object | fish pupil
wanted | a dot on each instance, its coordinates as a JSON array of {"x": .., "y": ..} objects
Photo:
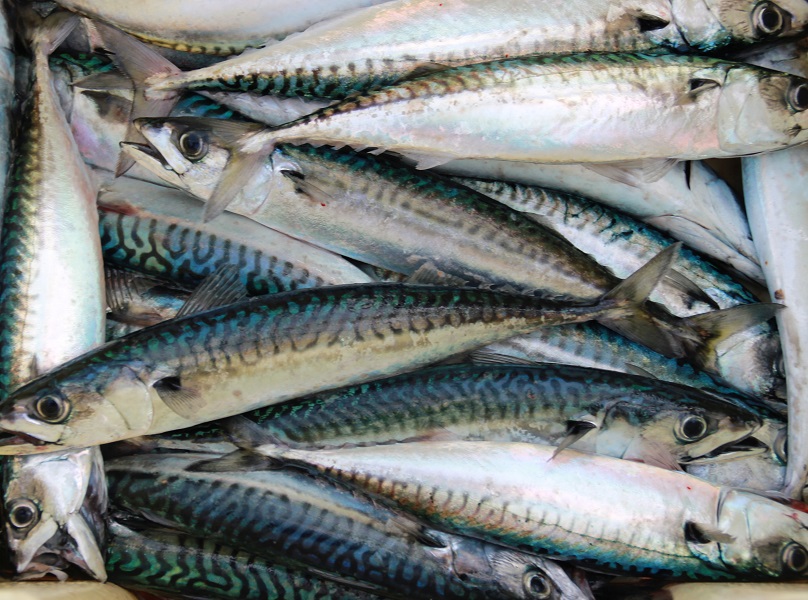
[
  {"x": 49, "y": 407},
  {"x": 23, "y": 514},
  {"x": 770, "y": 19},
  {"x": 694, "y": 427}
]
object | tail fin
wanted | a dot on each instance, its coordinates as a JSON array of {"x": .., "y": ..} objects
[
  {"x": 46, "y": 35},
  {"x": 140, "y": 63},
  {"x": 639, "y": 325},
  {"x": 714, "y": 327}
]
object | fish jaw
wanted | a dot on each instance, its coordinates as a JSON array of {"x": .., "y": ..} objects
[{"x": 151, "y": 160}]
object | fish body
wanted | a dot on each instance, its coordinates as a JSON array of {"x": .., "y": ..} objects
[
  {"x": 389, "y": 42},
  {"x": 279, "y": 514},
  {"x": 6, "y": 100},
  {"x": 631, "y": 417},
  {"x": 269, "y": 349},
  {"x": 778, "y": 223},
  {"x": 162, "y": 561},
  {"x": 212, "y": 27},
  {"x": 520, "y": 495},
  {"x": 578, "y": 108},
  {"x": 154, "y": 230}
]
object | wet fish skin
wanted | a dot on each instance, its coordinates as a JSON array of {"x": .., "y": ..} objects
[
  {"x": 52, "y": 496},
  {"x": 155, "y": 560},
  {"x": 269, "y": 349},
  {"x": 6, "y": 101},
  {"x": 273, "y": 513},
  {"x": 459, "y": 113},
  {"x": 634, "y": 417},
  {"x": 155, "y": 230},
  {"x": 515, "y": 494}
]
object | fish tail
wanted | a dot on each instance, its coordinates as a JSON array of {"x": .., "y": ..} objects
[
  {"x": 145, "y": 67},
  {"x": 248, "y": 437},
  {"x": 45, "y": 35},
  {"x": 627, "y": 315}
]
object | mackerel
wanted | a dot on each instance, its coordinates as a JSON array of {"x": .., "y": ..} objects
[
  {"x": 522, "y": 495},
  {"x": 51, "y": 310},
  {"x": 273, "y": 348},
  {"x": 311, "y": 521},
  {"x": 155, "y": 230},
  {"x": 603, "y": 412},
  {"x": 161, "y": 561},
  {"x": 7, "y": 96}
]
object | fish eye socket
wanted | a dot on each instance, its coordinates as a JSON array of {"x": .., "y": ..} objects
[
  {"x": 781, "y": 445},
  {"x": 193, "y": 145},
  {"x": 537, "y": 585},
  {"x": 795, "y": 558},
  {"x": 768, "y": 19},
  {"x": 798, "y": 96},
  {"x": 691, "y": 428},
  {"x": 52, "y": 408},
  {"x": 22, "y": 513}
]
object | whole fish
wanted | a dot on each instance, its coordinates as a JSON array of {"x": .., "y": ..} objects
[
  {"x": 280, "y": 515},
  {"x": 48, "y": 497},
  {"x": 389, "y": 42},
  {"x": 689, "y": 202},
  {"x": 212, "y": 27},
  {"x": 51, "y": 310},
  {"x": 155, "y": 230},
  {"x": 604, "y": 412},
  {"x": 778, "y": 223},
  {"x": 582, "y": 507},
  {"x": 273, "y": 348},
  {"x": 163, "y": 561},
  {"x": 345, "y": 201},
  {"x": 540, "y": 110}
]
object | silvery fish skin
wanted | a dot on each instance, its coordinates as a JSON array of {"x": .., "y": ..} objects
[
  {"x": 162, "y": 561},
  {"x": 269, "y": 349},
  {"x": 386, "y": 43},
  {"x": 541, "y": 109},
  {"x": 52, "y": 304},
  {"x": 213, "y": 27},
  {"x": 156, "y": 231},
  {"x": 6, "y": 100},
  {"x": 621, "y": 243},
  {"x": 631, "y": 417},
  {"x": 280, "y": 513},
  {"x": 771, "y": 183},
  {"x": 721, "y": 591},
  {"x": 52, "y": 496},
  {"x": 519, "y": 494},
  {"x": 689, "y": 202}
]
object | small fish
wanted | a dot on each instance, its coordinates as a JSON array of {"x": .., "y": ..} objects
[
  {"x": 581, "y": 507},
  {"x": 273, "y": 348},
  {"x": 279, "y": 514}
]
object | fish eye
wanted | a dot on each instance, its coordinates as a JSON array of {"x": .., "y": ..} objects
[
  {"x": 52, "y": 408},
  {"x": 795, "y": 558},
  {"x": 768, "y": 19},
  {"x": 797, "y": 96},
  {"x": 537, "y": 585},
  {"x": 22, "y": 513},
  {"x": 193, "y": 145},
  {"x": 691, "y": 428}
]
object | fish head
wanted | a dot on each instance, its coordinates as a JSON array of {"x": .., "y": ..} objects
[
  {"x": 707, "y": 25},
  {"x": 761, "y": 110},
  {"x": 79, "y": 404},
  {"x": 752, "y": 361},
  {"x": 505, "y": 573},
  {"x": 46, "y": 502},
  {"x": 765, "y": 536},
  {"x": 682, "y": 428}
]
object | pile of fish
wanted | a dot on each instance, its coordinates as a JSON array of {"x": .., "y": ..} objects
[{"x": 404, "y": 299}]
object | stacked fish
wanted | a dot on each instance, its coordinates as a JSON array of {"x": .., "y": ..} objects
[{"x": 404, "y": 299}]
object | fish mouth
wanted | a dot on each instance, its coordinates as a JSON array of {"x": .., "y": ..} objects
[
  {"x": 153, "y": 161},
  {"x": 745, "y": 447},
  {"x": 22, "y": 443}
]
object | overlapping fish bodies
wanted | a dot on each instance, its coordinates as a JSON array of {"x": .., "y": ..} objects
[
  {"x": 52, "y": 305},
  {"x": 55, "y": 504},
  {"x": 603, "y": 412},
  {"x": 212, "y": 27},
  {"x": 156, "y": 231},
  {"x": 202, "y": 568},
  {"x": 280, "y": 514},
  {"x": 273, "y": 348},
  {"x": 517, "y": 495},
  {"x": 390, "y": 42}
]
